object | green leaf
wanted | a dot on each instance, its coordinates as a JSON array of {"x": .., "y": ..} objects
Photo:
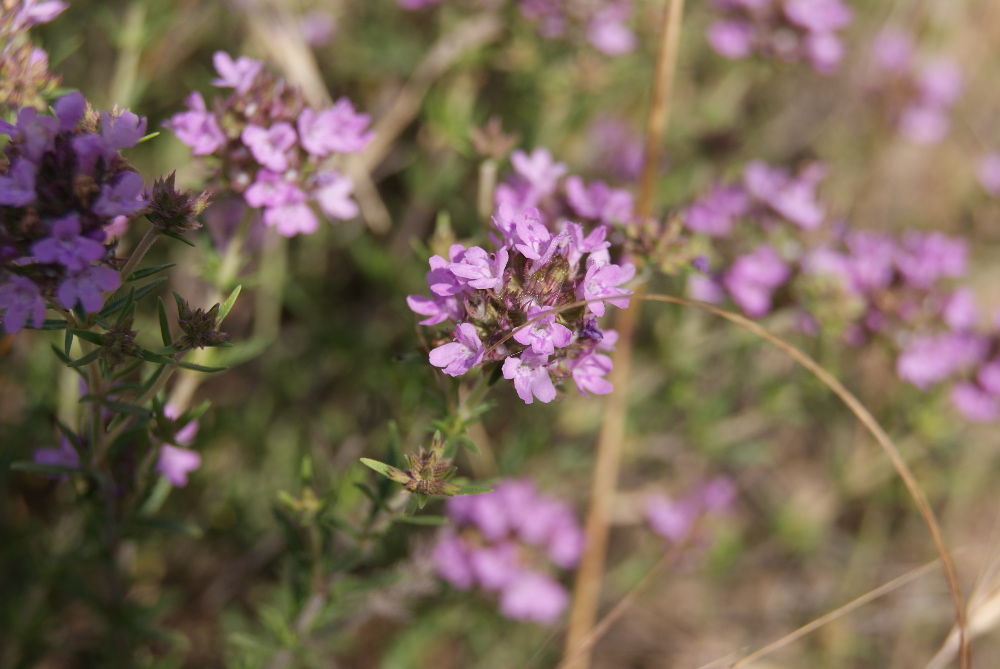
[
  {"x": 53, "y": 324},
  {"x": 86, "y": 335},
  {"x": 422, "y": 520},
  {"x": 123, "y": 407},
  {"x": 67, "y": 344},
  {"x": 87, "y": 359},
  {"x": 150, "y": 356},
  {"x": 44, "y": 470},
  {"x": 174, "y": 235},
  {"x": 164, "y": 323},
  {"x": 115, "y": 305},
  {"x": 199, "y": 368},
  {"x": 473, "y": 490},
  {"x": 152, "y": 379},
  {"x": 370, "y": 494},
  {"x": 148, "y": 271},
  {"x": 128, "y": 308},
  {"x": 228, "y": 304},
  {"x": 385, "y": 470}
]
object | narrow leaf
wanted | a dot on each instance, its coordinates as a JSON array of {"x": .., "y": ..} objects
[
  {"x": 164, "y": 323},
  {"x": 228, "y": 304},
  {"x": 53, "y": 324},
  {"x": 422, "y": 520},
  {"x": 87, "y": 359},
  {"x": 174, "y": 235},
  {"x": 474, "y": 490},
  {"x": 86, "y": 335},
  {"x": 148, "y": 271},
  {"x": 199, "y": 368}
]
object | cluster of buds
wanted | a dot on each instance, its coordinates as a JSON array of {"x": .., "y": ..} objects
[
  {"x": 789, "y": 30},
  {"x": 916, "y": 94},
  {"x": 269, "y": 146},
  {"x": 64, "y": 193},
  {"x": 24, "y": 68},
  {"x": 509, "y": 541},
  {"x": 200, "y": 327},
  {"x": 512, "y": 306}
]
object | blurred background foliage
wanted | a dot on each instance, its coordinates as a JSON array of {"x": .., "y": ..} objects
[{"x": 820, "y": 517}]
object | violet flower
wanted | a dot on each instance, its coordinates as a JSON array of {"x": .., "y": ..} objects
[
  {"x": 460, "y": 356},
  {"x": 176, "y": 463}
]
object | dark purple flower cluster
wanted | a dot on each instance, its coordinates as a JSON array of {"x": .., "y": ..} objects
[
  {"x": 603, "y": 23},
  {"x": 24, "y": 68},
  {"x": 916, "y": 94},
  {"x": 508, "y": 541},
  {"x": 539, "y": 181},
  {"x": 272, "y": 148},
  {"x": 770, "y": 197},
  {"x": 790, "y": 30},
  {"x": 535, "y": 271},
  {"x": 64, "y": 188}
]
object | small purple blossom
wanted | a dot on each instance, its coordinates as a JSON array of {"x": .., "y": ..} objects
[
  {"x": 589, "y": 372},
  {"x": 239, "y": 74},
  {"x": 198, "y": 128},
  {"x": 545, "y": 334},
  {"x": 338, "y": 129},
  {"x": 176, "y": 463},
  {"x": 479, "y": 269},
  {"x": 602, "y": 281},
  {"x": 534, "y": 597},
  {"x": 21, "y": 300},
  {"x": 332, "y": 192},
  {"x": 461, "y": 355},
  {"x": 122, "y": 198},
  {"x": 753, "y": 278},
  {"x": 17, "y": 188},
  {"x": 270, "y": 146},
  {"x": 930, "y": 359},
  {"x": 87, "y": 287},
  {"x": 67, "y": 247},
  {"x": 717, "y": 211},
  {"x": 530, "y": 376}
]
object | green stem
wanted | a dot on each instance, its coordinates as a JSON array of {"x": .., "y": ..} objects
[
  {"x": 270, "y": 285},
  {"x": 140, "y": 251},
  {"x": 230, "y": 266}
]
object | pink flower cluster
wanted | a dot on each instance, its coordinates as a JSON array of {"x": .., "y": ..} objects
[
  {"x": 535, "y": 271},
  {"x": 508, "y": 541},
  {"x": 272, "y": 148},
  {"x": 539, "y": 181},
  {"x": 65, "y": 189},
  {"x": 770, "y": 197},
  {"x": 790, "y": 30},
  {"x": 916, "y": 94},
  {"x": 677, "y": 519}
]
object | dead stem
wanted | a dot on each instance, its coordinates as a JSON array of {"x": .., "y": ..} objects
[
  {"x": 863, "y": 415},
  {"x": 587, "y": 589}
]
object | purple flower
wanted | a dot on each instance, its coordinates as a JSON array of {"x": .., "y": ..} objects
[
  {"x": 607, "y": 30},
  {"x": 930, "y": 359},
  {"x": 534, "y": 597},
  {"x": 333, "y": 193},
  {"x": 186, "y": 435},
  {"x": 239, "y": 74},
  {"x": 818, "y": 16},
  {"x": 974, "y": 403},
  {"x": 601, "y": 281},
  {"x": 33, "y": 12},
  {"x": 672, "y": 519},
  {"x": 939, "y": 83},
  {"x": 64, "y": 456},
  {"x": 122, "y": 198},
  {"x": 70, "y": 109},
  {"x": 794, "y": 198},
  {"x": 544, "y": 335},
  {"x": 753, "y": 278},
  {"x": 598, "y": 201},
  {"x": 122, "y": 131},
  {"x": 589, "y": 372},
  {"x": 88, "y": 287},
  {"x": 20, "y": 299},
  {"x": 270, "y": 189},
  {"x": 176, "y": 463},
  {"x": 924, "y": 258},
  {"x": 924, "y": 124},
  {"x": 33, "y": 132},
  {"x": 893, "y": 50},
  {"x": 17, "y": 189},
  {"x": 705, "y": 289},
  {"x": 67, "y": 247},
  {"x": 715, "y": 213},
  {"x": 989, "y": 377},
  {"x": 437, "y": 309},
  {"x": 463, "y": 354},
  {"x": 731, "y": 38},
  {"x": 198, "y": 127},
  {"x": 338, "y": 129},
  {"x": 531, "y": 377},
  {"x": 988, "y": 172},
  {"x": 540, "y": 172},
  {"x": 478, "y": 269},
  {"x": 451, "y": 559},
  {"x": 270, "y": 146},
  {"x": 292, "y": 218},
  {"x": 959, "y": 311},
  {"x": 495, "y": 566}
]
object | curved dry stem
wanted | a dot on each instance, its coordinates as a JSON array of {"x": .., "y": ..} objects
[{"x": 866, "y": 419}]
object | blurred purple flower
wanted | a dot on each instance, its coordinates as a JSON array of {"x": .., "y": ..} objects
[
  {"x": 17, "y": 188},
  {"x": 930, "y": 359},
  {"x": 270, "y": 146},
  {"x": 715, "y": 212},
  {"x": 197, "y": 127},
  {"x": 988, "y": 172},
  {"x": 176, "y": 463},
  {"x": 753, "y": 278},
  {"x": 534, "y": 597},
  {"x": 239, "y": 74},
  {"x": 21, "y": 299},
  {"x": 87, "y": 287},
  {"x": 124, "y": 197},
  {"x": 974, "y": 403},
  {"x": 67, "y": 247}
]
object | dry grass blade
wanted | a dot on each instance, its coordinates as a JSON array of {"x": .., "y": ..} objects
[
  {"x": 839, "y": 612},
  {"x": 863, "y": 415},
  {"x": 587, "y": 589}
]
